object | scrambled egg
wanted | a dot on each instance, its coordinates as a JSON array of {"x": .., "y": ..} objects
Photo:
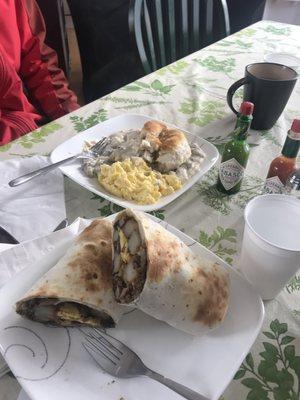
[
  {"x": 133, "y": 179},
  {"x": 70, "y": 313}
]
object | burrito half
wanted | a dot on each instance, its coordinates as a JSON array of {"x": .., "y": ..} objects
[
  {"x": 159, "y": 274},
  {"x": 78, "y": 289}
]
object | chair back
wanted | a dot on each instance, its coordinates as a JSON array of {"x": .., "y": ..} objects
[{"x": 166, "y": 30}]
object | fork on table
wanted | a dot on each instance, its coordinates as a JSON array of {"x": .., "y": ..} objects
[
  {"x": 94, "y": 151},
  {"x": 120, "y": 361}
]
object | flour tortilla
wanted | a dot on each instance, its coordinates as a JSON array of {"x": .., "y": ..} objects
[
  {"x": 78, "y": 289},
  {"x": 180, "y": 288}
]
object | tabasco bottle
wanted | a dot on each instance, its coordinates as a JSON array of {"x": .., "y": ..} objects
[
  {"x": 285, "y": 164},
  {"x": 236, "y": 153}
]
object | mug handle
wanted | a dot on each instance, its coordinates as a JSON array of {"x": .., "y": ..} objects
[{"x": 233, "y": 88}]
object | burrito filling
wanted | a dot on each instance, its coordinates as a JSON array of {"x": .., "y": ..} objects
[
  {"x": 130, "y": 259},
  {"x": 53, "y": 311}
]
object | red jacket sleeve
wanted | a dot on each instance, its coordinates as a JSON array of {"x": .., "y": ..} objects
[
  {"x": 17, "y": 116},
  {"x": 46, "y": 83}
]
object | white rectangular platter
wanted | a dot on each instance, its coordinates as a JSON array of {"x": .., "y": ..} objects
[
  {"x": 50, "y": 363},
  {"x": 124, "y": 122}
]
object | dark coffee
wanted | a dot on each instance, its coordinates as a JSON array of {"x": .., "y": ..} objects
[{"x": 268, "y": 86}]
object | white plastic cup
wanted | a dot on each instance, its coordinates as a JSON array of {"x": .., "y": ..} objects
[{"x": 271, "y": 243}]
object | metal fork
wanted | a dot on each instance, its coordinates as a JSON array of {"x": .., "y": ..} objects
[
  {"x": 94, "y": 151},
  {"x": 120, "y": 361}
]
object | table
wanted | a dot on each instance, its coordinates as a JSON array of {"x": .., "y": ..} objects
[{"x": 191, "y": 93}]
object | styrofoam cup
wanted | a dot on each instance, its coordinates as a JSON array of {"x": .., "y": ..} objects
[{"x": 271, "y": 243}]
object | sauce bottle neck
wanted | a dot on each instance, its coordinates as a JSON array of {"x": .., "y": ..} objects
[
  {"x": 291, "y": 145},
  {"x": 242, "y": 127}
]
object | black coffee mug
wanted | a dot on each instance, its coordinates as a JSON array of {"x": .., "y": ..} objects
[{"x": 268, "y": 86}]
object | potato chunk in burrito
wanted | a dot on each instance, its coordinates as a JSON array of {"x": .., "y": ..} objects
[{"x": 160, "y": 275}]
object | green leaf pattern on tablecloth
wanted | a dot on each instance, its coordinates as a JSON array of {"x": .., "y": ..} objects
[
  {"x": 215, "y": 242},
  {"x": 176, "y": 68},
  {"x": 294, "y": 284},
  {"x": 210, "y": 195},
  {"x": 211, "y": 63},
  {"x": 242, "y": 44},
  {"x": 27, "y": 155},
  {"x": 248, "y": 33},
  {"x": 155, "y": 88},
  {"x": 220, "y": 141},
  {"x": 239, "y": 93},
  {"x": 108, "y": 208},
  {"x": 125, "y": 103},
  {"x": 277, "y": 376},
  {"x": 5, "y": 147},
  {"x": 277, "y": 31},
  {"x": 204, "y": 85},
  {"x": 268, "y": 135},
  {"x": 251, "y": 187},
  {"x": 203, "y": 113},
  {"x": 39, "y": 135},
  {"x": 82, "y": 123}
]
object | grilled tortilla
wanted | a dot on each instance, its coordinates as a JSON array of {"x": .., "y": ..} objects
[
  {"x": 78, "y": 289},
  {"x": 160, "y": 275}
]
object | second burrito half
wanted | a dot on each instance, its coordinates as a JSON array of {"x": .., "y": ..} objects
[{"x": 155, "y": 271}]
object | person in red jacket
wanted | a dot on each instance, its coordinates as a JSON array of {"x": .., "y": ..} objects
[{"x": 32, "y": 87}]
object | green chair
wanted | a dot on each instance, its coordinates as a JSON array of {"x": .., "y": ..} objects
[{"x": 165, "y": 30}]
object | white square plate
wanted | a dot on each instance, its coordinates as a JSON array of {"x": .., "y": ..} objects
[
  {"x": 124, "y": 122},
  {"x": 50, "y": 363}
]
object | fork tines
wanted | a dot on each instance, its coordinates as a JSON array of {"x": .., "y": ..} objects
[
  {"x": 99, "y": 146},
  {"x": 92, "y": 347},
  {"x": 96, "y": 342},
  {"x": 98, "y": 333}
]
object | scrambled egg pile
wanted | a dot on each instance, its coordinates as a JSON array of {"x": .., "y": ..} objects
[{"x": 133, "y": 179}]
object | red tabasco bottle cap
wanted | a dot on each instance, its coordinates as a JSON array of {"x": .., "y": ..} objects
[
  {"x": 246, "y": 108},
  {"x": 296, "y": 126}
]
